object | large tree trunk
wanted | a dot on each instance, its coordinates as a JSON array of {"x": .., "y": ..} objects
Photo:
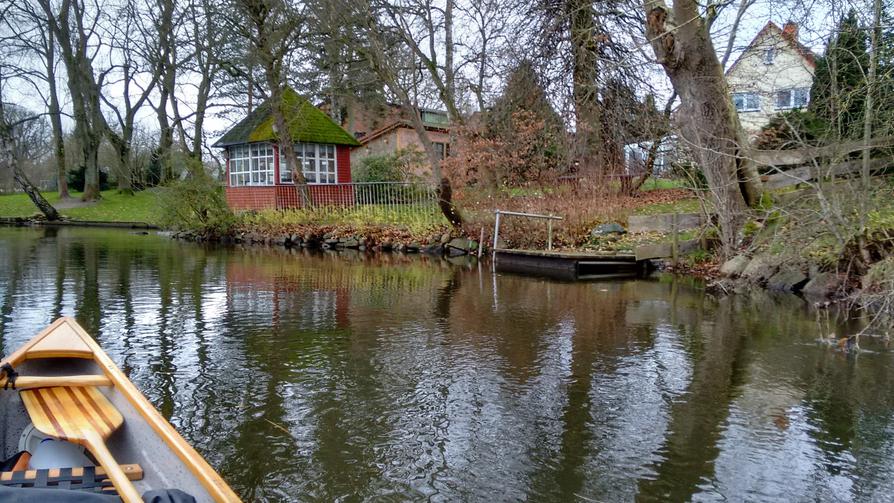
[
  {"x": 709, "y": 124},
  {"x": 89, "y": 121},
  {"x": 287, "y": 144},
  {"x": 56, "y": 119},
  {"x": 588, "y": 142},
  {"x": 166, "y": 71},
  {"x": 125, "y": 165}
]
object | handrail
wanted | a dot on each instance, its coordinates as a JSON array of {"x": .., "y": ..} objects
[{"x": 549, "y": 226}]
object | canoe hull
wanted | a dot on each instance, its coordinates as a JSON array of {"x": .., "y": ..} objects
[{"x": 146, "y": 438}]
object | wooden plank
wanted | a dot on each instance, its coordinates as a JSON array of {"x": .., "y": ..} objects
[
  {"x": 133, "y": 471},
  {"x": 28, "y": 382},
  {"x": 808, "y": 154},
  {"x": 617, "y": 257},
  {"x": 62, "y": 342},
  {"x": 810, "y": 173}
]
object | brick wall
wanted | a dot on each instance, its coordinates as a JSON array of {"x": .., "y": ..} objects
[{"x": 251, "y": 198}]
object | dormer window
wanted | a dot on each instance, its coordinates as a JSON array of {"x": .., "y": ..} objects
[{"x": 769, "y": 55}]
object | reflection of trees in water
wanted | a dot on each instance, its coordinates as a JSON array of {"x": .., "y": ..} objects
[
  {"x": 20, "y": 253},
  {"x": 388, "y": 368},
  {"x": 695, "y": 426}
]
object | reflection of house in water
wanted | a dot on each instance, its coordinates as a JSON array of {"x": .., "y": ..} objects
[{"x": 301, "y": 298}]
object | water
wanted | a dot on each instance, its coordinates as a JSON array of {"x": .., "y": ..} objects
[{"x": 345, "y": 378}]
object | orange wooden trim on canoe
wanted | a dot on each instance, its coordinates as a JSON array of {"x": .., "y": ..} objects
[
  {"x": 209, "y": 478},
  {"x": 133, "y": 471},
  {"x": 57, "y": 340},
  {"x": 28, "y": 382}
]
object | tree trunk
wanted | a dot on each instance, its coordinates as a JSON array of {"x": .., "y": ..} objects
[
  {"x": 287, "y": 144},
  {"x": 125, "y": 164},
  {"x": 875, "y": 39},
  {"x": 8, "y": 155},
  {"x": 56, "y": 119},
  {"x": 89, "y": 121},
  {"x": 709, "y": 124},
  {"x": 585, "y": 93}
]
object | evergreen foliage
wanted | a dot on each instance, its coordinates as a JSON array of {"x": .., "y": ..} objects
[
  {"x": 839, "y": 87},
  {"x": 524, "y": 121}
]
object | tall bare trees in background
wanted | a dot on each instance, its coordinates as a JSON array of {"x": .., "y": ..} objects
[{"x": 181, "y": 60}]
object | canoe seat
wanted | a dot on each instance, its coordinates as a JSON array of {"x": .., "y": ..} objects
[{"x": 87, "y": 478}]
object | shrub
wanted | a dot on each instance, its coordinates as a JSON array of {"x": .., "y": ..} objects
[
  {"x": 197, "y": 204},
  {"x": 394, "y": 167},
  {"x": 77, "y": 177},
  {"x": 791, "y": 130}
]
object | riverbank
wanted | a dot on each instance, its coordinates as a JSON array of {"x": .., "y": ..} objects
[
  {"x": 835, "y": 245},
  {"x": 141, "y": 207}
]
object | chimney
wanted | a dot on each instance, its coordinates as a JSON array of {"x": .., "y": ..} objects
[{"x": 790, "y": 29}]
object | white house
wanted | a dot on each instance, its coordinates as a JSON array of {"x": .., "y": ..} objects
[{"x": 773, "y": 74}]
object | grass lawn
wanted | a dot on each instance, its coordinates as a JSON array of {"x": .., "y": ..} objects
[
  {"x": 662, "y": 183},
  {"x": 679, "y": 206},
  {"x": 113, "y": 207}
]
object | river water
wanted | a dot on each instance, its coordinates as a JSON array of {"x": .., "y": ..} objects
[{"x": 323, "y": 377}]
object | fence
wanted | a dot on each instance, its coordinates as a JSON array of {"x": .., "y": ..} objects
[
  {"x": 385, "y": 202},
  {"x": 361, "y": 202}
]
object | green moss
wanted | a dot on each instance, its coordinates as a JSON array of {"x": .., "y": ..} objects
[{"x": 306, "y": 122}]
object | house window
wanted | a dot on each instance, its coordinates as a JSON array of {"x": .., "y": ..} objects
[
  {"x": 251, "y": 164},
  {"x": 430, "y": 117},
  {"x": 441, "y": 149},
  {"x": 792, "y": 98},
  {"x": 317, "y": 161},
  {"x": 746, "y": 102},
  {"x": 769, "y": 55}
]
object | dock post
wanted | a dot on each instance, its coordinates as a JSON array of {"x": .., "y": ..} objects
[
  {"x": 549, "y": 233},
  {"x": 496, "y": 233},
  {"x": 481, "y": 243}
]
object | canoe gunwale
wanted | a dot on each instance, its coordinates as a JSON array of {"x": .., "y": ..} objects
[{"x": 201, "y": 470}]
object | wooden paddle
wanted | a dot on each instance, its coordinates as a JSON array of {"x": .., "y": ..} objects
[{"x": 83, "y": 415}]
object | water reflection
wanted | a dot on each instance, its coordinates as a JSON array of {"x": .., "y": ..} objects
[{"x": 350, "y": 377}]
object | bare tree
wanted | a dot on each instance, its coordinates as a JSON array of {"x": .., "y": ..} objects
[
  {"x": 682, "y": 43},
  {"x": 73, "y": 24},
  {"x": 394, "y": 37},
  {"x": 27, "y": 26},
  {"x": 126, "y": 73},
  {"x": 10, "y": 155},
  {"x": 273, "y": 31}
]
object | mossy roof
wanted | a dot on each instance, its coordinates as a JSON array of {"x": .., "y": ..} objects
[{"x": 307, "y": 123}]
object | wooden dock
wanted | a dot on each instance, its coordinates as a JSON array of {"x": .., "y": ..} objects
[{"x": 569, "y": 266}]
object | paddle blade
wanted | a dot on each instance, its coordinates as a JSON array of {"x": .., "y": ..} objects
[{"x": 68, "y": 412}]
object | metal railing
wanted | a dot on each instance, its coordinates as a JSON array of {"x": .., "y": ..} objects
[
  {"x": 383, "y": 201},
  {"x": 549, "y": 225}
]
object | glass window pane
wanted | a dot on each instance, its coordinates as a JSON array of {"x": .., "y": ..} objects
[
  {"x": 801, "y": 97},
  {"x": 752, "y": 102},
  {"x": 783, "y": 99}
]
